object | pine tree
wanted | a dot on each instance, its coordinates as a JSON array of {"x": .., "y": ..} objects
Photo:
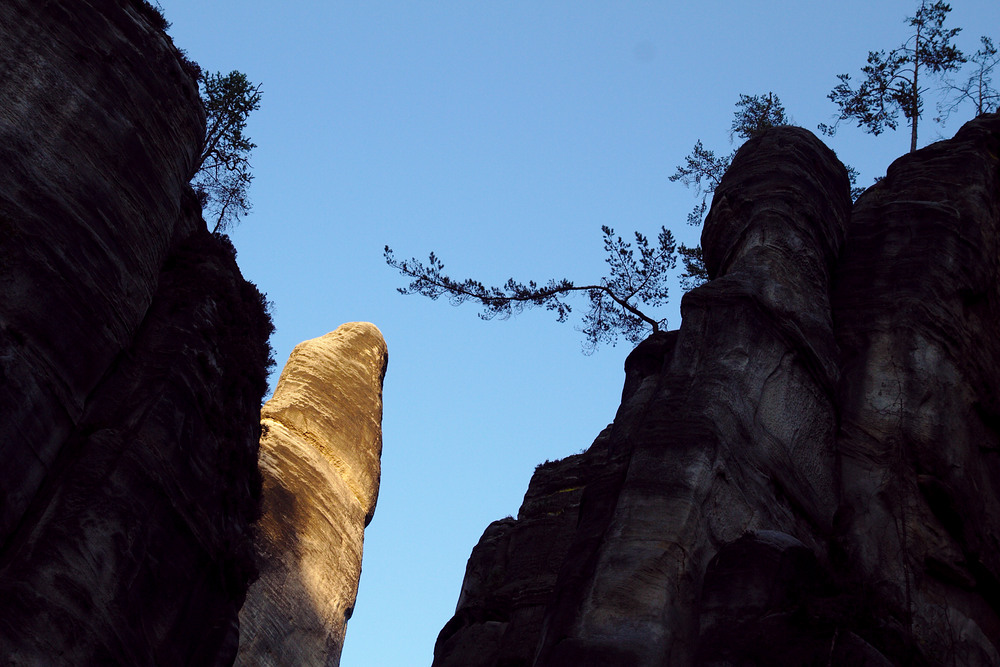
[
  {"x": 703, "y": 170},
  {"x": 893, "y": 80},
  {"x": 223, "y": 172},
  {"x": 977, "y": 88},
  {"x": 619, "y": 302}
]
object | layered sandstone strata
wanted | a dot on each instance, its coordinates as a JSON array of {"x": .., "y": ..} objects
[
  {"x": 319, "y": 458},
  {"x": 133, "y": 354},
  {"x": 808, "y": 470}
]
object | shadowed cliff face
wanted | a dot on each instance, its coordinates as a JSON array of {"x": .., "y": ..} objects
[
  {"x": 320, "y": 460},
  {"x": 919, "y": 440},
  {"x": 133, "y": 354},
  {"x": 92, "y": 187},
  {"x": 806, "y": 471}
]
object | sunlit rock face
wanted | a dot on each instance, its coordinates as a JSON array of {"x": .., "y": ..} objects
[
  {"x": 133, "y": 355},
  {"x": 319, "y": 458},
  {"x": 808, "y": 470}
]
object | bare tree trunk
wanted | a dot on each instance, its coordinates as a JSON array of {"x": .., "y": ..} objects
[{"x": 915, "y": 112}]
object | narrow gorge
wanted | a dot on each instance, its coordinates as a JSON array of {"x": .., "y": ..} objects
[{"x": 806, "y": 472}]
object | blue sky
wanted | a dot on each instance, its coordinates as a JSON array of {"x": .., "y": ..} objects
[{"x": 500, "y": 135}]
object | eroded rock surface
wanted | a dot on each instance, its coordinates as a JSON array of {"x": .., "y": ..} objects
[
  {"x": 319, "y": 459},
  {"x": 806, "y": 472},
  {"x": 919, "y": 441},
  {"x": 133, "y": 355}
]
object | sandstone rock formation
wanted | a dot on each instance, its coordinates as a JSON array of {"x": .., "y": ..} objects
[
  {"x": 807, "y": 471},
  {"x": 319, "y": 459},
  {"x": 133, "y": 355}
]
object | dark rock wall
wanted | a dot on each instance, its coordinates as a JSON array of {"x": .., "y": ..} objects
[
  {"x": 99, "y": 128},
  {"x": 918, "y": 310},
  {"x": 511, "y": 576},
  {"x": 806, "y": 471},
  {"x": 133, "y": 355}
]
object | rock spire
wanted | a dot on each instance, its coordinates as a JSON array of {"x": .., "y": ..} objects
[{"x": 319, "y": 458}]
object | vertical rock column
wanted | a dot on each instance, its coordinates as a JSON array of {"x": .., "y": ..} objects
[
  {"x": 807, "y": 472},
  {"x": 732, "y": 437},
  {"x": 319, "y": 458},
  {"x": 917, "y": 306},
  {"x": 133, "y": 354},
  {"x": 99, "y": 129}
]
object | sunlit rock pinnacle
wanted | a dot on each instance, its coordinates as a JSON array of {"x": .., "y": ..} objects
[{"x": 319, "y": 457}]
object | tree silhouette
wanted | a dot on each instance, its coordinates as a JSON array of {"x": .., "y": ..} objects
[
  {"x": 892, "y": 80},
  {"x": 222, "y": 174},
  {"x": 618, "y": 303},
  {"x": 703, "y": 170},
  {"x": 978, "y": 86}
]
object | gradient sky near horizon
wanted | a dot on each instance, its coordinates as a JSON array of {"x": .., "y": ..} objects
[{"x": 501, "y": 135}]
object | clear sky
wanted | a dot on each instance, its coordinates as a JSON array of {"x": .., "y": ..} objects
[{"x": 500, "y": 135}]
